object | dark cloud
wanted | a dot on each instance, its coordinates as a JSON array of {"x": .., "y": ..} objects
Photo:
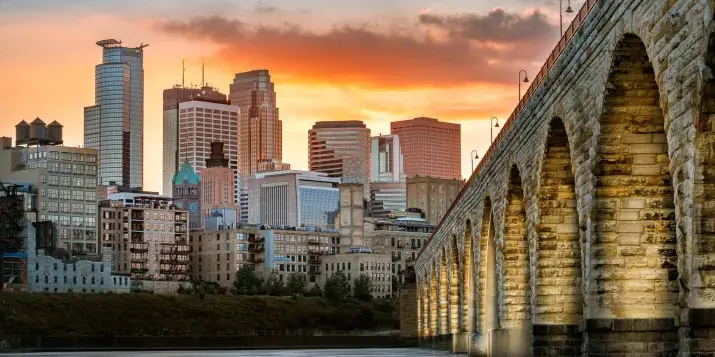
[
  {"x": 263, "y": 8},
  {"x": 497, "y": 26},
  {"x": 361, "y": 55}
]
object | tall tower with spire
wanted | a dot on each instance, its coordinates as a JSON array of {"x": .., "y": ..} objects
[{"x": 187, "y": 194}]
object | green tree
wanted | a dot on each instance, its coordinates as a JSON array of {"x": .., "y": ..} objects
[
  {"x": 337, "y": 287},
  {"x": 296, "y": 283},
  {"x": 315, "y": 291},
  {"x": 362, "y": 288},
  {"x": 247, "y": 282},
  {"x": 274, "y": 284},
  {"x": 395, "y": 285}
]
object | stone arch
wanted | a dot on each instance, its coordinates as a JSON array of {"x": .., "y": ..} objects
[
  {"x": 488, "y": 311},
  {"x": 558, "y": 300},
  {"x": 633, "y": 242},
  {"x": 558, "y": 283},
  {"x": 703, "y": 247},
  {"x": 433, "y": 304},
  {"x": 467, "y": 281},
  {"x": 443, "y": 294},
  {"x": 515, "y": 287},
  {"x": 454, "y": 315}
]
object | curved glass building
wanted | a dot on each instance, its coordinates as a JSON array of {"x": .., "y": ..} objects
[{"x": 114, "y": 125}]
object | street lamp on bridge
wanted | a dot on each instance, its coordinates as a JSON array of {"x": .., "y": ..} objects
[
  {"x": 526, "y": 80},
  {"x": 474, "y": 152},
  {"x": 491, "y": 128},
  {"x": 561, "y": 14}
]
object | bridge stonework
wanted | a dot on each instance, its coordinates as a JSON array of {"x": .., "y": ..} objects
[{"x": 589, "y": 229}]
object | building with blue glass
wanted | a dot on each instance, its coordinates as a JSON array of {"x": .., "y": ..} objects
[
  {"x": 114, "y": 124},
  {"x": 293, "y": 198}
]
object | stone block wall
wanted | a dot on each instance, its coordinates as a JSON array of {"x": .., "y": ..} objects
[
  {"x": 408, "y": 311},
  {"x": 598, "y": 198}
]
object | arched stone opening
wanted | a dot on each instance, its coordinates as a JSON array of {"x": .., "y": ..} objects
[
  {"x": 443, "y": 295},
  {"x": 488, "y": 311},
  {"x": 454, "y": 315},
  {"x": 558, "y": 273},
  {"x": 433, "y": 304},
  {"x": 633, "y": 286},
  {"x": 467, "y": 281},
  {"x": 516, "y": 292},
  {"x": 702, "y": 279}
]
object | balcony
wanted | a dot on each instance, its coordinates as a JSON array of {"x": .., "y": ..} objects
[
  {"x": 314, "y": 272},
  {"x": 401, "y": 245},
  {"x": 313, "y": 261},
  {"x": 139, "y": 247},
  {"x": 140, "y": 259},
  {"x": 253, "y": 239},
  {"x": 313, "y": 241},
  {"x": 139, "y": 270},
  {"x": 396, "y": 258},
  {"x": 410, "y": 260}
]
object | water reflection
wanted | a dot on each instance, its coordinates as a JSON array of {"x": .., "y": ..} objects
[{"x": 367, "y": 352}]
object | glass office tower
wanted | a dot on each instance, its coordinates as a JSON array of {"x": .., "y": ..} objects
[{"x": 119, "y": 114}]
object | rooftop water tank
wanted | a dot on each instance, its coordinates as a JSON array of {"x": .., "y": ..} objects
[
  {"x": 54, "y": 132},
  {"x": 37, "y": 129},
  {"x": 22, "y": 132}
]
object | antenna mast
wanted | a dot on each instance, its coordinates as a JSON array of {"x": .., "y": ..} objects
[
  {"x": 183, "y": 70},
  {"x": 202, "y": 74}
]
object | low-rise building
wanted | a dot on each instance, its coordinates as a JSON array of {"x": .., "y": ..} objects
[
  {"x": 400, "y": 238},
  {"x": 148, "y": 236},
  {"x": 55, "y": 275},
  {"x": 65, "y": 178},
  {"x": 361, "y": 261},
  {"x": 217, "y": 255},
  {"x": 432, "y": 195}
]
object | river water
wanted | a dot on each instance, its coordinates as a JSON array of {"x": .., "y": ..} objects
[{"x": 366, "y": 352}]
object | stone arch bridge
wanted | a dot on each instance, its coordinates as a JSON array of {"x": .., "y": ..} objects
[{"x": 589, "y": 227}]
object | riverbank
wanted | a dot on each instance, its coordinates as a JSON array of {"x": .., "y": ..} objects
[
  {"x": 140, "y": 315},
  {"x": 134, "y": 343}
]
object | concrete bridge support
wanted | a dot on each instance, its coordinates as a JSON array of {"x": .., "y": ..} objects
[{"x": 589, "y": 227}]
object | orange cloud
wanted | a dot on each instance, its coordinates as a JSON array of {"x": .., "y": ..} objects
[{"x": 441, "y": 51}]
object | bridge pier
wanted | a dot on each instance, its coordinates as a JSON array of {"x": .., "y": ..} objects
[
  {"x": 460, "y": 342},
  {"x": 626, "y": 337},
  {"x": 557, "y": 340},
  {"x": 702, "y": 332}
]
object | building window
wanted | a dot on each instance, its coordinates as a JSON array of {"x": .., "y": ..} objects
[
  {"x": 55, "y": 279},
  {"x": 65, "y": 279}
]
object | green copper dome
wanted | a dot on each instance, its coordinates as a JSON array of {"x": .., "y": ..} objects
[{"x": 186, "y": 172}]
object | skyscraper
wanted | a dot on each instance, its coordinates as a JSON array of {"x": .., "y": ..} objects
[
  {"x": 114, "y": 125},
  {"x": 202, "y": 122},
  {"x": 260, "y": 127},
  {"x": 387, "y": 179},
  {"x": 172, "y": 98},
  {"x": 341, "y": 149},
  {"x": 430, "y": 147},
  {"x": 218, "y": 182}
]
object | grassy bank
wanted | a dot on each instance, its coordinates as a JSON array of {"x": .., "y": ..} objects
[{"x": 182, "y": 315}]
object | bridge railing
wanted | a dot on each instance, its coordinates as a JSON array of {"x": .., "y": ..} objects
[{"x": 570, "y": 32}]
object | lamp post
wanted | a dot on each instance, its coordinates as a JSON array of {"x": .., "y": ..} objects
[
  {"x": 472, "y": 158},
  {"x": 526, "y": 80},
  {"x": 561, "y": 14},
  {"x": 491, "y": 128}
]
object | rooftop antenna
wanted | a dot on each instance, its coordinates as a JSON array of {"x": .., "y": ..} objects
[
  {"x": 183, "y": 70},
  {"x": 202, "y": 74}
]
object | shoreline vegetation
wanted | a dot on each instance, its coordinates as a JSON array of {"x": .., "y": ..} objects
[{"x": 39, "y": 314}]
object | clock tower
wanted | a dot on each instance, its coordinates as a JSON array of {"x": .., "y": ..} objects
[{"x": 187, "y": 194}]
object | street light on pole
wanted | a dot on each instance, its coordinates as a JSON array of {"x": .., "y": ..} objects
[
  {"x": 474, "y": 152},
  {"x": 561, "y": 14},
  {"x": 526, "y": 80},
  {"x": 491, "y": 128}
]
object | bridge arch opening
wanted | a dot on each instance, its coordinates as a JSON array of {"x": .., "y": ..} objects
[
  {"x": 633, "y": 243},
  {"x": 467, "y": 281},
  {"x": 488, "y": 305},
  {"x": 558, "y": 276},
  {"x": 443, "y": 295},
  {"x": 454, "y": 315},
  {"x": 433, "y": 304},
  {"x": 516, "y": 291},
  {"x": 704, "y": 191}
]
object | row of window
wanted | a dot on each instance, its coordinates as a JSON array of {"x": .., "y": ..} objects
[{"x": 67, "y": 181}]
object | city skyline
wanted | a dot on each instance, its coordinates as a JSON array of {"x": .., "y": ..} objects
[{"x": 374, "y": 95}]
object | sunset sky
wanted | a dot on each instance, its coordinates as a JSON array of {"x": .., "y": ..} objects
[{"x": 371, "y": 60}]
